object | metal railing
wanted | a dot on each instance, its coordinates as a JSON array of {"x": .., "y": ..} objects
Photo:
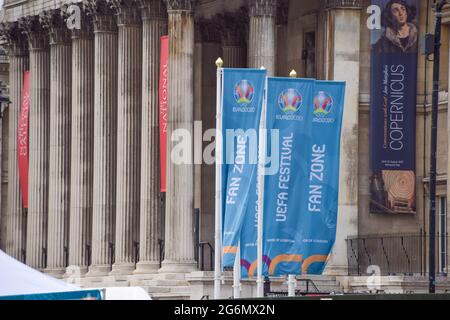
[
  {"x": 44, "y": 256},
  {"x": 135, "y": 252},
  {"x": 201, "y": 261},
  {"x": 66, "y": 256},
  {"x": 204, "y": 251},
  {"x": 399, "y": 254},
  {"x": 161, "y": 251},
  {"x": 111, "y": 252},
  {"x": 88, "y": 255},
  {"x": 304, "y": 287}
]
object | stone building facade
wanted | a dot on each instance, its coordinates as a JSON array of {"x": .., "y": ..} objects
[{"x": 94, "y": 199}]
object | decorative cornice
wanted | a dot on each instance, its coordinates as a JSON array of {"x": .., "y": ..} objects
[
  {"x": 101, "y": 14},
  {"x": 184, "y": 5},
  {"x": 36, "y": 35},
  {"x": 16, "y": 42},
  {"x": 152, "y": 9},
  {"x": 54, "y": 21},
  {"x": 337, "y": 4},
  {"x": 127, "y": 12},
  {"x": 259, "y": 8}
]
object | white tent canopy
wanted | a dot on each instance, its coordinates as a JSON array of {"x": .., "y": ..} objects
[{"x": 17, "y": 278}]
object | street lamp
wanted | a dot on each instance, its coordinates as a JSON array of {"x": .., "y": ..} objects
[{"x": 438, "y": 6}]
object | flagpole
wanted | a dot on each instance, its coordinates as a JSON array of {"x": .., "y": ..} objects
[
  {"x": 218, "y": 200},
  {"x": 237, "y": 274},
  {"x": 292, "y": 281},
  {"x": 260, "y": 171}
]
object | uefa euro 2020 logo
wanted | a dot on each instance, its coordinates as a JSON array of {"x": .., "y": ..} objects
[
  {"x": 290, "y": 101},
  {"x": 244, "y": 92},
  {"x": 323, "y": 104}
]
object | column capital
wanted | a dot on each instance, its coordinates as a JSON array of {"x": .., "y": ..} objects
[
  {"x": 126, "y": 11},
  {"x": 101, "y": 14},
  {"x": 36, "y": 35},
  {"x": 12, "y": 34},
  {"x": 340, "y": 4},
  {"x": 208, "y": 30},
  {"x": 258, "y": 8},
  {"x": 86, "y": 30},
  {"x": 184, "y": 5},
  {"x": 54, "y": 21},
  {"x": 152, "y": 9},
  {"x": 234, "y": 27}
]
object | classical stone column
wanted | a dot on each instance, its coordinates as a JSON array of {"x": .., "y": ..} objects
[
  {"x": 128, "y": 134},
  {"x": 282, "y": 39},
  {"x": 261, "y": 50},
  {"x": 39, "y": 125},
  {"x": 234, "y": 30},
  {"x": 105, "y": 130},
  {"x": 179, "y": 242},
  {"x": 15, "y": 215},
  {"x": 154, "y": 25},
  {"x": 82, "y": 144},
  {"x": 344, "y": 23},
  {"x": 60, "y": 129}
]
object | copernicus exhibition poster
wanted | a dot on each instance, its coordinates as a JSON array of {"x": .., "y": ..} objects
[{"x": 394, "y": 49}]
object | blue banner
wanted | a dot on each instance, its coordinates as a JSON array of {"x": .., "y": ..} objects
[
  {"x": 241, "y": 112},
  {"x": 301, "y": 201},
  {"x": 249, "y": 234}
]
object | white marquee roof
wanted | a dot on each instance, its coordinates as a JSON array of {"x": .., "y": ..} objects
[{"x": 17, "y": 278}]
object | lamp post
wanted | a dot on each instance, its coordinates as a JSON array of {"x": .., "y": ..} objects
[{"x": 434, "y": 121}]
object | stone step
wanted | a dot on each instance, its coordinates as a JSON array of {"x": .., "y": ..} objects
[
  {"x": 146, "y": 276},
  {"x": 120, "y": 278},
  {"x": 182, "y": 289},
  {"x": 85, "y": 283},
  {"x": 171, "y": 296},
  {"x": 169, "y": 276},
  {"x": 161, "y": 290},
  {"x": 98, "y": 279},
  {"x": 143, "y": 283},
  {"x": 158, "y": 282},
  {"x": 316, "y": 278},
  {"x": 154, "y": 290},
  {"x": 105, "y": 285},
  {"x": 170, "y": 283}
]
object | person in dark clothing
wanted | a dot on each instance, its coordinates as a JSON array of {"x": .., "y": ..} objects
[{"x": 400, "y": 34}]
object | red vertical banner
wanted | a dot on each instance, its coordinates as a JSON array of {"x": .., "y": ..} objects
[
  {"x": 163, "y": 107},
  {"x": 22, "y": 138}
]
